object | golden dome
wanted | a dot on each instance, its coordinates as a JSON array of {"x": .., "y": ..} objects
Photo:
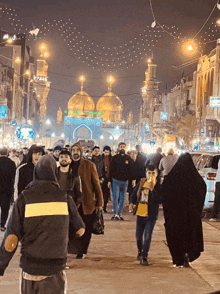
[
  {"x": 81, "y": 101},
  {"x": 109, "y": 102},
  {"x": 111, "y": 106}
]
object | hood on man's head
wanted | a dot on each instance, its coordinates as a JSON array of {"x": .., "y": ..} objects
[
  {"x": 34, "y": 149},
  {"x": 58, "y": 147},
  {"x": 45, "y": 169},
  {"x": 80, "y": 147}
]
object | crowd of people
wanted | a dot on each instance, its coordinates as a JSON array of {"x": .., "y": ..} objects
[{"x": 56, "y": 192}]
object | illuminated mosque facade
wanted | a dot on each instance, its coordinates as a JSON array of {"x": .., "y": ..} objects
[{"x": 102, "y": 122}]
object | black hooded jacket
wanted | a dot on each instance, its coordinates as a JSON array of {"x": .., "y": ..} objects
[
  {"x": 26, "y": 170},
  {"x": 40, "y": 220}
]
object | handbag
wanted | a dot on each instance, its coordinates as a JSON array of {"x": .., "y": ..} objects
[{"x": 98, "y": 223}]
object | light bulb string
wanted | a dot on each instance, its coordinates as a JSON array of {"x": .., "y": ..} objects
[{"x": 206, "y": 21}]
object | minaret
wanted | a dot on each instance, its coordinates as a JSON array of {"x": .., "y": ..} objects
[
  {"x": 59, "y": 116},
  {"x": 149, "y": 92},
  {"x": 41, "y": 83}
]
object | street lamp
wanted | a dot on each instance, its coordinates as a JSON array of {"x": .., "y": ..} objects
[
  {"x": 62, "y": 135},
  {"x": 48, "y": 122},
  {"x": 53, "y": 135}
]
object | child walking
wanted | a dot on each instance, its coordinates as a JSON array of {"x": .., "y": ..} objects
[{"x": 145, "y": 203}]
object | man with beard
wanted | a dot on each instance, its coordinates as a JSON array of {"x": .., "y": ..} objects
[
  {"x": 24, "y": 173},
  {"x": 91, "y": 196},
  {"x": 120, "y": 172},
  {"x": 69, "y": 181}
]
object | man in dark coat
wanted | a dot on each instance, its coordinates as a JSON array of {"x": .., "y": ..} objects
[
  {"x": 138, "y": 171},
  {"x": 69, "y": 181},
  {"x": 24, "y": 174},
  {"x": 183, "y": 194},
  {"x": 97, "y": 159},
  {"x": 155, "y": 158},
  {"x": 107, "y": 158},
  {"x": 56, "y": 152},
  {"x": 40, "y": 221},
  {"x": 7, "y": 175},
  {"x": 92, "y": 198},
  {"x": 120, "y": 173}
]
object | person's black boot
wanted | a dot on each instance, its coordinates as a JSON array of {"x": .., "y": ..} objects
[
  {"x": 186, "y": 260},
  {"x": 139, "y": 256},
  {"x": 143, "y": 260}
]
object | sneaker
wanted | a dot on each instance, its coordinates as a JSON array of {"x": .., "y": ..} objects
[
  {"x": 104, "y": 210},
  {"x": 144, "y": 261},
  {"x": 213, "y": 219},
  {"x": 120, "y": 218},
  {"x": 177, "y": 266},
  {"x": 80, "y": 256},
  {"x": 139, "y": 256},
  {"x": 115, "y": 217},
  {"x": 3, "y": 229}
]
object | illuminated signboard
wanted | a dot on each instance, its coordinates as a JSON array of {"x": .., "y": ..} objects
[
  {"x": 3, "y": 111},
  {"x": 215, "y": 102},
  {"x": 84, "y": 112},
  {"x": 164, "y": 115},
  {"x": 25, "y": 133}
]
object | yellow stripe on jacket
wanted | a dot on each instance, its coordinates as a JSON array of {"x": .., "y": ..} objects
[{"x": 46, "y": 208}]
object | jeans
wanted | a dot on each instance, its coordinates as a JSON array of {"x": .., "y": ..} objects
[
  {"x": 119, "y": 192},
  {"x": 55, "y": 284},
  {"x": 144, "y": 230},
  {"x": 216, "y": 207}
]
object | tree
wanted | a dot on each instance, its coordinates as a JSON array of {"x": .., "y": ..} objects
[{"x": 186, "y": 128}]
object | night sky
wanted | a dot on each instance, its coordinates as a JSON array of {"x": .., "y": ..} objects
[{"x": 98, "y": 38}]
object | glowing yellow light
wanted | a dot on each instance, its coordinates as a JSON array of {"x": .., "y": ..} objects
[
  {"x": 149, "y": 60},
  {"x": 17, "y": 60},
  {"x": 43, "y": 46},
  {"x": 190, "y": 47},
  {"x": 82, "y": 78},
  {"x": 27, "y": 72},
  {"x": 9, "y": 40},
  {"x": 111, "y": 79},
  {"x": 218, "y": 22}
]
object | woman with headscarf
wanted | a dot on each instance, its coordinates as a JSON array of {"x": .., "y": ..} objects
[{"x": 183, "y": 194}]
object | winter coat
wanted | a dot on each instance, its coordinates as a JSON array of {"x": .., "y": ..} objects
[
  {"x": 40, "y": 221},
  {"x": 24, "y": 173},
  {"x": 7, "y": 175},
  {"x": 100, "y": 165},
  {"x": 91, "y": 189}
]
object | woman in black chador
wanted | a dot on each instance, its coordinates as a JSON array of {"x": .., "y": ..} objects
[{"x": 183, "y": 194}]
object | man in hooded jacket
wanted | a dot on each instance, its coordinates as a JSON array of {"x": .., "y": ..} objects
[
  {"x": 40, "y": 221},
  {"x": 92, "y": 198},
  {"x": 24, "y": 173}
]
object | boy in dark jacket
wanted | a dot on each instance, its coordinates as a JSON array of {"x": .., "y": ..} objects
[
  {"x": 145, "y": 200},
  {"x": 40, "y": 221}
]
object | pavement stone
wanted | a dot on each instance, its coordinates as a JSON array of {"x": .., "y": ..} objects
[{"x": 111, "y": 267}]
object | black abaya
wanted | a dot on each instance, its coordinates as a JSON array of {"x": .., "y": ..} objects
[{"x": 183, "y": 194}]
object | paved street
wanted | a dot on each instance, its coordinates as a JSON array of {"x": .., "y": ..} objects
[{"x": 111, "y": 266}]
